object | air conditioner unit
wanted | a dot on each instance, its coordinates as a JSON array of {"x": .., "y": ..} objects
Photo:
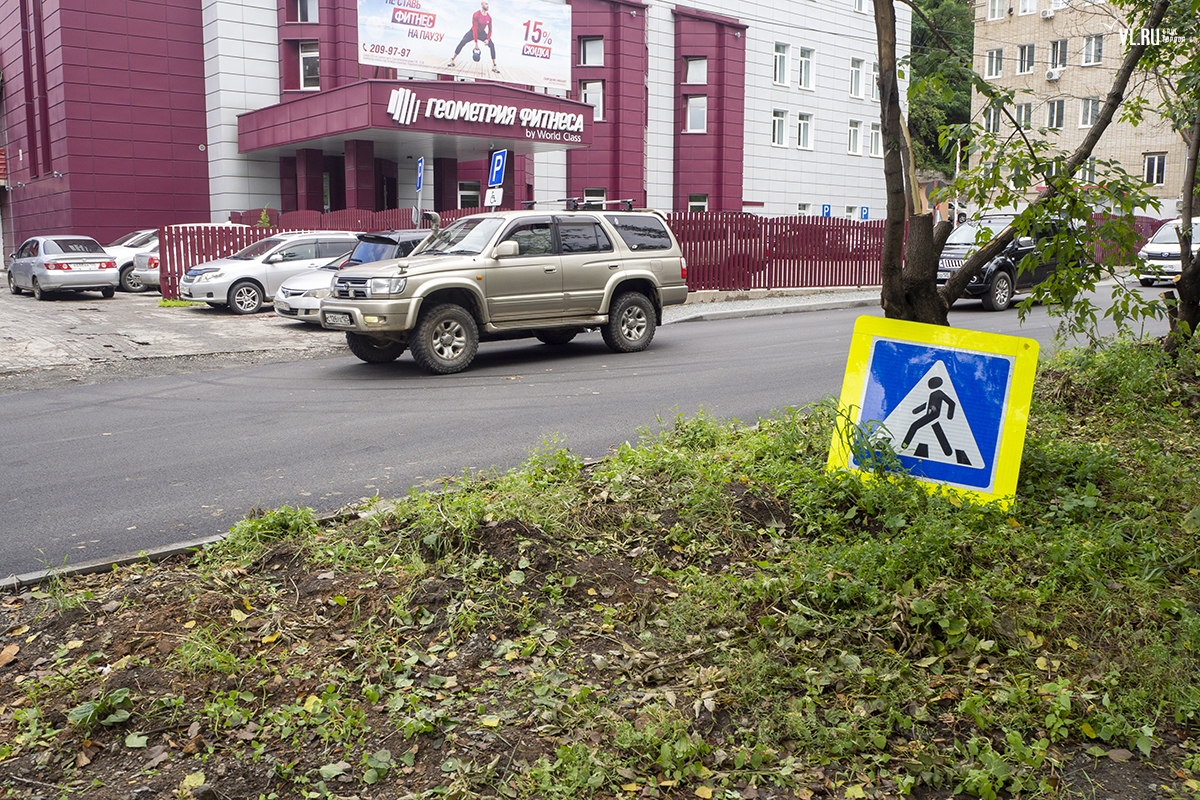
[
  {"x": 1047, "y": 13},
  {"x": 1053, "y": 74}
]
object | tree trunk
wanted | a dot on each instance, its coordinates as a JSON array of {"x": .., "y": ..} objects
[{"x": 1189, "y": 277}]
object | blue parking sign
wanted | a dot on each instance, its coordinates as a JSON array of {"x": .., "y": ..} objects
[
  {"x": 863, "y": 212},
  {"x": 826, "y": 210},
  {"x": 496, "y": 173},
  {"x": 420, "y": 173}
]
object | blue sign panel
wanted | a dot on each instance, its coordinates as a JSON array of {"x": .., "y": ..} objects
[
  {"x": 496, "y": 173},
  {"x": 863, "y": 212},
  {"x": 826, "y": 210},
  {"x": 420, "y": 173}
]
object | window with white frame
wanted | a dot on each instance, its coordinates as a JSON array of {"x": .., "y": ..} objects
[
  {"x": 468, "y": 194},
  {"x": 806, "y": 68},
  {"x": 1024, "y": 114},
  {"x": 1087, "y": 172},
  {"x": 995, "y": 63},
  {"x": 778, "y": 125},
  {"x": 996, "y": 9},
  {"x": 310, "y": 66},
  {"x": 804, "y": 132},
  {"x": 991, "y": 120},
  {"x": 697, "y": 202},
  {"x": 1155, "y": 168},
  {"x": 1055, "y": 111},
  {"x": 1089, "y": 111},
  {"x": 1025, "y": 59},
  {"x": 1093, "y": 50},
  {"x": 695, "y": 70},
  {"x": 802, "y": 209},
  {"x": 592, "y": 93},
  {"x": 876, "y": 146},
  {"x": 874, "y": 80},
  {"x": 854, "y": 137},
  {"x": 859, "y": 5},
  {"x": 306, "y": 11},
  {"x": 591, "y": 51},
  {"x": 696, "y": 116},
  {"x": 856, "y": 69},
  {"x": 1058, "y": 53},
  {"x": 594, "y": 198},
  {"x": 1027, "y": 7},
  {"x": 779, "y": 72},
  {"x": 851, "y": 212}
]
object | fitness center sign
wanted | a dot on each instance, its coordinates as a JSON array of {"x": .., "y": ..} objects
[{"x": 409, "y": 109}]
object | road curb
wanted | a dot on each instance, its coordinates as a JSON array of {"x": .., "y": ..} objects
[
  {"x": 829, "y": 305},
  {"x": 17, "y": 582}
]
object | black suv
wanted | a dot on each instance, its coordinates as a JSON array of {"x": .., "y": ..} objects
[{"x": 998, "y": 281}]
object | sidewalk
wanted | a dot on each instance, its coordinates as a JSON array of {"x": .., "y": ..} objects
[{"x": 86, "y": 330}]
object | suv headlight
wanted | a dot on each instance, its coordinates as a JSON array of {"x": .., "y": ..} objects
[{"x": 386, "y": 287}]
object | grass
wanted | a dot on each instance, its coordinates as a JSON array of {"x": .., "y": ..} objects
[
  {"x": 706, "y": 611},
  {"x": 166, "y": 302}
]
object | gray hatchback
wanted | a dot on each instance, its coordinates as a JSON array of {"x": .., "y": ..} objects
[{"x": 45, "y": 264}]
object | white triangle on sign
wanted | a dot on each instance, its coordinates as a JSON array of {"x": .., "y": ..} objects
[{"x": 931, "y": 424}]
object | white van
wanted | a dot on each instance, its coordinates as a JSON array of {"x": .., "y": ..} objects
[{"x": 1161, "y": 254}]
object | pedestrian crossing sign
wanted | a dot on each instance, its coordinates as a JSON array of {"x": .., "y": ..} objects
[{"x": 952, "y": 405}]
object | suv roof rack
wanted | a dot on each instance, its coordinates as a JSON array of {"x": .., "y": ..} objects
[{"x": 580, "y": 203}]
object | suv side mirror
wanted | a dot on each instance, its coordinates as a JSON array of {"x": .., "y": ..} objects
[{"x": 507, "y": 249}]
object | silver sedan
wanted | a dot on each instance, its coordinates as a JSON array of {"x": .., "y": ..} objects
[{"x": 45, "y": 264}]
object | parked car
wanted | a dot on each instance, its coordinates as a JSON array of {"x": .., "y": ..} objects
[
  {"x": 145, "y": 268},
  {"x": 248, "y": 278},
  {"x": 45, "y": 264},
  {"x": 999, "y": 280},
  {"x": 512, "y": 275},
  {"x": 1162, "y": 255},
  {"x": 125, "y": 249},
  {"x": 300, "y": 296}
]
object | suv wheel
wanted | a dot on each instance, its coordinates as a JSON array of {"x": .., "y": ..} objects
[
  {"x": 130, "y": 282},
  {"x": 373, "y": 351},
  {"x": 12, "y": 284},
  {"x": 1000, "y": 292},
  {"x": 630, "y": 326},
  {"x": 445, "y": 340},
  {"x": 556, "y": 337},
  {"x": 245, "y": 298}
]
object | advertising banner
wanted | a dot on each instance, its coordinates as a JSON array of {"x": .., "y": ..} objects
[{"x": 526, "y": 42}]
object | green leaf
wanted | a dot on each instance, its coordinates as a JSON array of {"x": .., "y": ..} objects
[
  {"x": 135, "y": 740},
  {"x": 516, "y": 577},
  {"x": 330, "y": 771}
]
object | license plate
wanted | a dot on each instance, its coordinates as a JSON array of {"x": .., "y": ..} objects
[
  {"x": 337, "y": 319},
  {"x": 85, "y": 266}
]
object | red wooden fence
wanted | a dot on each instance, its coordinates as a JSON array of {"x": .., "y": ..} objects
[{"x": 727, "y": 251}]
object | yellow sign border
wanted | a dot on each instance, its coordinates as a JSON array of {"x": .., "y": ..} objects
[{"x": 1024, "y": 353}]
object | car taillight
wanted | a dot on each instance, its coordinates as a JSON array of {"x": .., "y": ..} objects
[
  {"x": 108, "y": 265},
  {"x": 683, "y": 268},
  {"x": 152, "y": 263},
  {"x": 57, "y": 265}
]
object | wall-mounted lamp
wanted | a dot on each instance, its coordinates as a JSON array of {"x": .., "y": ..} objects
[
  {"x": 58, "y": 174},
  {"x": 737, "y": 34},
  {"x": 19, "y": 185}
]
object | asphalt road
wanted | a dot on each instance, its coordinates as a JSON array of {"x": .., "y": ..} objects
[{"x": 96, "y": 471}]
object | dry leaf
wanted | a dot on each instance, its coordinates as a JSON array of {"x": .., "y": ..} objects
[
  {"x": 8, "y": 653},
  {"x": 704, "y": 792}
]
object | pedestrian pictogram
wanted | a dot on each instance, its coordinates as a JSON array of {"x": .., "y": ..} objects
[{"x": 950, "y": 404}]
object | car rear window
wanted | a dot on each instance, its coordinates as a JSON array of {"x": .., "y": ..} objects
[
  {"x": 56, "y": 246},
  {"x": 641, "y": 232}
]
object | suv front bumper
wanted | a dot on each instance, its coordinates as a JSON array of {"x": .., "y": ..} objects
[{"x": 369, "y": 316}]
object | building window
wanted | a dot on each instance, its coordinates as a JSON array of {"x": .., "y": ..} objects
[
  {"x": 697, "y": 202},
  {"x": 1058, "y": 53},
  {"x": 697, "y": 114},
  {"x": 591, "y": 51},
  {"x": 468, "y": 194},
  {"x": 802, "y": 209},
  {"x": 1156, "y": 168},
  {"x": 851, "y": 212},
  {"x": 306, "y": 11},
  {"x": 780, "y": 70},
  {"x": 695, "y": 70},
  {"x": 1024, "y": 115},
  {"x": 1089, "y": 111},
  {"x": 1087, "y": 172},
  {"x": 1028, "y": 7},
  {"x": 874, "y": 80},
  {"x": 592, "y": 93},
  {"x": 853, "y": 139},
  {"x": 996, "y": 8},
  {"x": 991, "y": 120},
  {"x": 310, "y": 66},
  {"x": 1025, "y": 59},
  {"x": 595, "y": 198},
  {"x": 1058, "y": 4},
  {"x": 995, "y": 63},
  {"x": 876, "y": 140},
  {"x": 778, "y": 123},
  {"x": 1093, "y": 50},
  {"x": 859, "y": 6},
  {"x": 804, "y": 132},
  {"x": 806, "y": 68},
  {"x": 856, "y": 68},
  {"x": 1055, "y": 111}
]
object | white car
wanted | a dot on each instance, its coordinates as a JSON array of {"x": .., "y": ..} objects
[
  {"x": 299, "y": 297},
  {"x": 125, "y": 250},
  {"x": 145, "y": 268},
  {"x": 1161, "y": 252},
  {"x": 246, "y": 279}
]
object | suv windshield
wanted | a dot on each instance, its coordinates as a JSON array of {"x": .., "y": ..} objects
[
  {"x": 966, "y": 233},
  {"x": 1169, "y": 233},
  {"x": 258, "y": 249},
  {"x": 466, "y": 237}
]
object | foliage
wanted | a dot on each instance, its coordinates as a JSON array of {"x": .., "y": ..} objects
[{"x": 938, "y": 96}]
